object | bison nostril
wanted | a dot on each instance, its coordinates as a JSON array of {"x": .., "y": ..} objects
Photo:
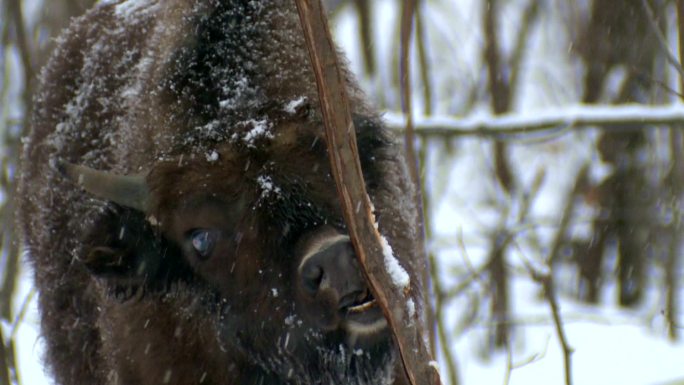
[
  {"x": 312, "y": 276},
  {"x": 331, "y": 267}
]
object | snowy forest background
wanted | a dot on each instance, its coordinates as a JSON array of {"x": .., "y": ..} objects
[{"x": 551, "y": 143}]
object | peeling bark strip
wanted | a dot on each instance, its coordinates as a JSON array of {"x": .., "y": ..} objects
[{"x": 346, "y": 169}]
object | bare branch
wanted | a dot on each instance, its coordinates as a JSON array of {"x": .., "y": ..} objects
[
  {"x": 662, "y": 41},
  {"x": 346, "y": 169},
  {"x": 4, "y": 362},
  {"x": 566, "y": 216},
  {"x": 424, "y": 63},
  {"x": 407, "y": 15},
  {"x": 676, "y": 187},
  {"x": 436, "y": 314},
  {"x": 364, "y": 12},
  {"x": 22, "y": 314},
  {"x": 22, "y": 42},
  {"x": 499, "y": 88},
  {"x": 545, "y": 279},
  {"x": 680, "y": 34},
  {"x": 528, "y": 18},
  {"x": 629, "y": 117},
  {"x": 550, "y": 294}
]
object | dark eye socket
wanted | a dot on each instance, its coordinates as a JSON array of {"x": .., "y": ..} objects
[{"x": 203, "y": 242}]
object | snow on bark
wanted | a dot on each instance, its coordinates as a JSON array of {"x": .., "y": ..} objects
[
  {"x": 411, "y": 306},
  {"x": 400, "y": 277}
]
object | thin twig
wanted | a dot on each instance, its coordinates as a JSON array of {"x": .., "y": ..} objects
[
  {"x": 431, "y": 276},
  {"x": 423, "y": 60},
  {"x": 566, "y": 216},
  {"x": 662, "y": 41},
  {"x": 22, "y": 42},
  {"x": 550, "y": 295},
  {"x": 22, "y": 314},
  {"x": 546, "y": 281},
  {"x": 4, "y": 362},
  {"x": 509, "y": 364},
  {"x": 680, "y": 34},
  {"x": 364, "y": 11},
  {"x": 407, "y": 16},
  {"x": 674, "y": 253},
  {"x": 445, "y": 342},
  {"x": 522, "y": 38}
]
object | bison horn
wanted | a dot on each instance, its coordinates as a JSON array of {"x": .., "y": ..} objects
[{"x": 126, "y": 190}]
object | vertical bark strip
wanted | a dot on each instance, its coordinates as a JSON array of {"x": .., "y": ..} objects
[
  {"x": 499, "y": 91},
  {"x": 626, "y": 198},
  {"x": 346, "y": 169},
  {"x": 677, "y": 184},
  {"x": 408, "y": 14},
  {"x": 421, "y": 45},
  {"x": 364, "y": 10},
  {"x": 680, "y": 34},
  {"x": 675, "y": 179},
  {"x": 4, "y": 362}
]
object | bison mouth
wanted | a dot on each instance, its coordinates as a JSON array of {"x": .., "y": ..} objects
[{"x": 361, "y": 314}]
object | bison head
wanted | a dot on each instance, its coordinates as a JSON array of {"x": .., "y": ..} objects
[{"x": 257, "y": 237}]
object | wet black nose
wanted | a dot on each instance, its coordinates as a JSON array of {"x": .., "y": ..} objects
[{"x": 333, "y": 270}]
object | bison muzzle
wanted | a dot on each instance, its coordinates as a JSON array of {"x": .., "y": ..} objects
[{"x": 178, "y": 208}]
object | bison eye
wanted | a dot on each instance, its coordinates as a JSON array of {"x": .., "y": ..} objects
[{"x": 203, "y": 242}]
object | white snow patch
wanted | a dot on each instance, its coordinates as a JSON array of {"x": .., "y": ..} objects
[
  {"x": 260, "y": 129},
  {"x": 210, "y": 130},
  {"x": 130, "y": 7},
  {"x": 274, "y": 291},
  {"x": 411, "y": 307},
  {"x": 267, "y": 186},
  {"x": 290, "y": 320},
  {"x": 239, "y": 94},
  {"x": 212, "y": 156},
  {"x": 400, "y": 277},
  {"x": 567, "y": 116},
  {"x": 292, "y": 106},
  {"x": 131, "y": 93}
]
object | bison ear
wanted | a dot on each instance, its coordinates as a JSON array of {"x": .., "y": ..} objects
[{"x": 125, "y": 190}]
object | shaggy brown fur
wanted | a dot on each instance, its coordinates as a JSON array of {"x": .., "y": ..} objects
[{"x": 215, "y": 104}]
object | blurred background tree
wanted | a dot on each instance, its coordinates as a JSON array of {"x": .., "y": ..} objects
[
  {"x": 27, "y": 33},
  {"x": 549, "y": 134}
]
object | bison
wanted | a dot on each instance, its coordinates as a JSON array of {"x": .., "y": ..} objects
[{"x": 178, "y": 208}]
